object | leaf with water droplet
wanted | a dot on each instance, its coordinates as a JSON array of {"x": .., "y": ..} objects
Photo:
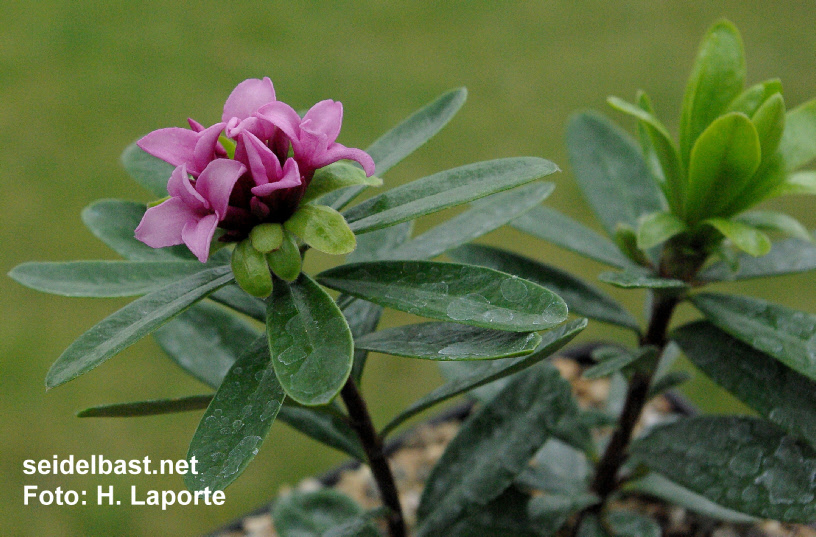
[
  {"x": 222, "y": 449},
  {"x": 745, "y": 464},
  {"x": 470, "y": 295},
  {"x": 786, "y": 334},
  {"x": 310, "y": 341}
]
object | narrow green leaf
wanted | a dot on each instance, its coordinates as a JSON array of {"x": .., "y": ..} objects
[
  {"x": 718, "y": 76},
  {"x": 741, "y": 463},
  {"x": 611, "y": 171},
  {"x": 743, "y": 236},
  {"x": 797, "y": 183},
  {"x": 490, "y": 214},
  {"x": 319, "y": 514},
  {"x": 512, "y": 428},
  {"x": 581, "y": 298},
  {"x": 659, "y": 487},
  {"x": 237, "y": 421},
  {"x": 749, "y": 101},
  {"x": 103, "y": 278},
  {"x": 656, "y": 228},
  {"x": 550, "y": 512},
  {"x": 773, "y": 221},
  {"x": 131, "y": 323},
  {"x": 310, "y": 342},
  {"x": 722, "y": 162},
  {"x": 205, "y": 341},
  {"x": 336, "y": 176},
  {"x": 669, "y": 381},
  {"x": 238, "y": 300},
  {"x": 404, "y": 139},
  {"x": 445, "y": 189},
  {"x": 324, "y": 427},
  {"x": 148, "y": 408},
  {"x": 671, "y": 177},
  {"x": 624, "y": 523},
  {"x": 786, "y": 257},
  {"x": 785, "y": 334},
  {"x": 798, "y": 145},
  {"x": 769, "y": 121},
  {"x": 775, "y": 391},
  {"x": 558, "y": 469},
  {"x": 150, "y": 172},
  {"x": 114, "y": 221},
  {"x": 552, "y": 226},
  {"x": 512, "y": 514},
  {"x": 633, "y": 279},
  {"x": 611, "y": 360},
  {"x": 448, "y": 341},
  {"x": 480, "y": 373},
  {"x": 464, "y": 294},
  {"x": 322, "y": 228}
]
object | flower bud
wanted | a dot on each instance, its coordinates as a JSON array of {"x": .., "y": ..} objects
[
  {"x": 250, "y": 270},
  {"x": 286, "y": 262}
]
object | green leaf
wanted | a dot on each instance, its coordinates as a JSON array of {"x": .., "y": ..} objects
[
  {"x": 250, "y": 269},
  {"x": 324, "y": 427},
  {"x": 403, "y": 139},
  {"x": 611, "y": 171},
  {"x": 319, "y": 514},
  {"x": 659, "y": 487},
  {"x": 322, "y": 228},
  {"x": 552, "y": 226},
  {"x": 266, "y": 237},
  {"x": 581, "y": 298},
  {"x": 509, "y": 515},
  {"x": 773, "y": 221},
  {"x": 559, "y": 470},
  {"x": 336, "y": 176},
  {"x": 634, "y": 279},
  {"x": 131, "y": 323},
  {"x": 286, "y": 262},
  {"x": 722, "y": 162},
  {"x": 310, "y": 342},
  {"x": 775, "y": 391},
  {"x": 148, "y": 408},
  {"x": 798, "y": 144},
  {"x": 741, "y": 463},
  {"x": 786, "y": 257},
  {"x": 785, "y": 334},
  {"x": 769, "y": 121},
  {"x": 626, "y": 241},
  {"x": 613, "y": 359},
  {"x": 237, "y": 420},
  {"x": 669, "y": 381},
  {"x": 464, "y": 294},
  {"x": 363, "y": 318},
  {"x": 491, "y": 213},
  {"x": 671, "y": 175},
  {"x": 511, "y": 428},
  {"x": 718, "y": 76},
  {"x": 624, "y": 523},
  {"x": 205, "y": 341},
  {"x": 448, "y": 341},
  {"x": 150, "y": 172},
  {"x": 749, "y": 101},
  {"x": 236, "y": 299},
  {"x": 480, "y": 373},
  {"x": 103, "y": 278},
  {"x": 656, "y": 228},
  {"x": 551, "y": 511},
  {"x": 590, "y": 526},
  {"x": 743, "y": 236},
  {"x": 114, "y": 221},
  {"x": 797, "y": 183},
  {"x": 445, "y": 189}
]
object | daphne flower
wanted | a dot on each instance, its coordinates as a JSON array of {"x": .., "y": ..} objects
[
  {"x": 194, "y": 209},
  {"x": 313, "y": 137},
  {"x": 194, "y": 149}
]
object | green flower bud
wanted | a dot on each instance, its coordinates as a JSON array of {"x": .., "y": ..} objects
[
  {"x": 250, "y": 270},
  {"x": 266, "y": 237},
  {"x": 286, "y": 262}
]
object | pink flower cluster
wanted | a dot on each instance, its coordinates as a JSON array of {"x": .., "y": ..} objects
[{"x": 276, "y": 153}]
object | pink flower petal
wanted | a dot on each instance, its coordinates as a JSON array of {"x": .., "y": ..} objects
[
  {"x": 162, "y": 225},
  {"x": 247, "y": 97},
  {"x": 198, "y": 234},
  {"x": 325, "y": 117},
  {"x": 216, "y": 182},
  {"x": 283, "y": 117},
  {"x": 340, "y": 152},
  {"x": 205, "y": 148},
  {"x": 263, "y": 163},
  {"x": 180, "y": 187},
  {"x": 195, "y": 125},
  {"x": 290, "y": 178},
  {"x": 174, "y": 145}
]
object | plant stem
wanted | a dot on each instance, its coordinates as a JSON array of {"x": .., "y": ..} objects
[
  {"x": 605, "y": 481},
  {"x": 360, "y": 421}
]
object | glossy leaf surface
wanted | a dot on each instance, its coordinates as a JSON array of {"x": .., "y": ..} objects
[
  {"x": 798, "y": 145},
  {"x": 322, "y": 513},
  {"x": 148, "y": 408},
  {"x": 634, "y": 279},
  {"x": 786, "y": 257},
  {"x": 150, "y": 172}
]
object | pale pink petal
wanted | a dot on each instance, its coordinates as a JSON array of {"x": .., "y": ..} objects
[
  {"x": 289, "y": 178},
  {"x": 247, "y": 97},
  {"x": 283, "y": 117},
  {"x": 195, "y": 125},
  {"x": 179, "y": 186},
  {"x": 205, "y": 148},
  {"x": 162, "y": 225},
  {"x": 174, "y": 145},
  {"x": 263, "y": 163},
  {"x": 325, "y": 117},
  {"x": 198, "y": 234},
  {"x": 340, "y": 152},
  {"x": 216, "y": 182},
  {"x": 312, "y": 147}
]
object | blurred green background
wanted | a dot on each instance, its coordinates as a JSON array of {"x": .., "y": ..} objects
[{"x": 79, "y": 80}]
